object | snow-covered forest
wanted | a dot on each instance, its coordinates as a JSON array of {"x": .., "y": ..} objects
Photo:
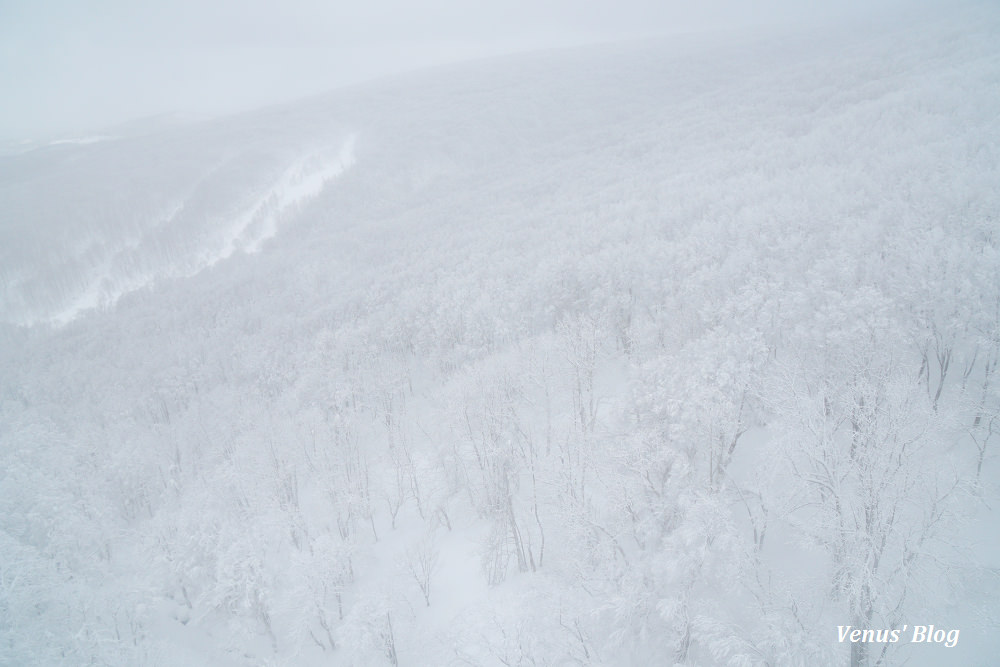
[{"x": 672, "y": 352}]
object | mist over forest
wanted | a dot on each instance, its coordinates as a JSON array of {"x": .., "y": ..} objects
[{"x": 676, "y": 351}]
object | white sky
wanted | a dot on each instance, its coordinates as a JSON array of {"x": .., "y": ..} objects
[{"x": 72, "y": 66}]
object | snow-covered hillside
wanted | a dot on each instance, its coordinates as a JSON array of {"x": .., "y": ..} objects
[{"x": 678, "y": 352}]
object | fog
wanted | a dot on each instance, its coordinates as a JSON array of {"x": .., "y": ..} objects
[{"x": 71, "y": 67}]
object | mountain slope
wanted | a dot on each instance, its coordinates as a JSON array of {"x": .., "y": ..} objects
[{"x": 623, "y": 355}]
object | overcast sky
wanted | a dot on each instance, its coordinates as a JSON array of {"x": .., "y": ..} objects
[{"x": 72, "y": 66}]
